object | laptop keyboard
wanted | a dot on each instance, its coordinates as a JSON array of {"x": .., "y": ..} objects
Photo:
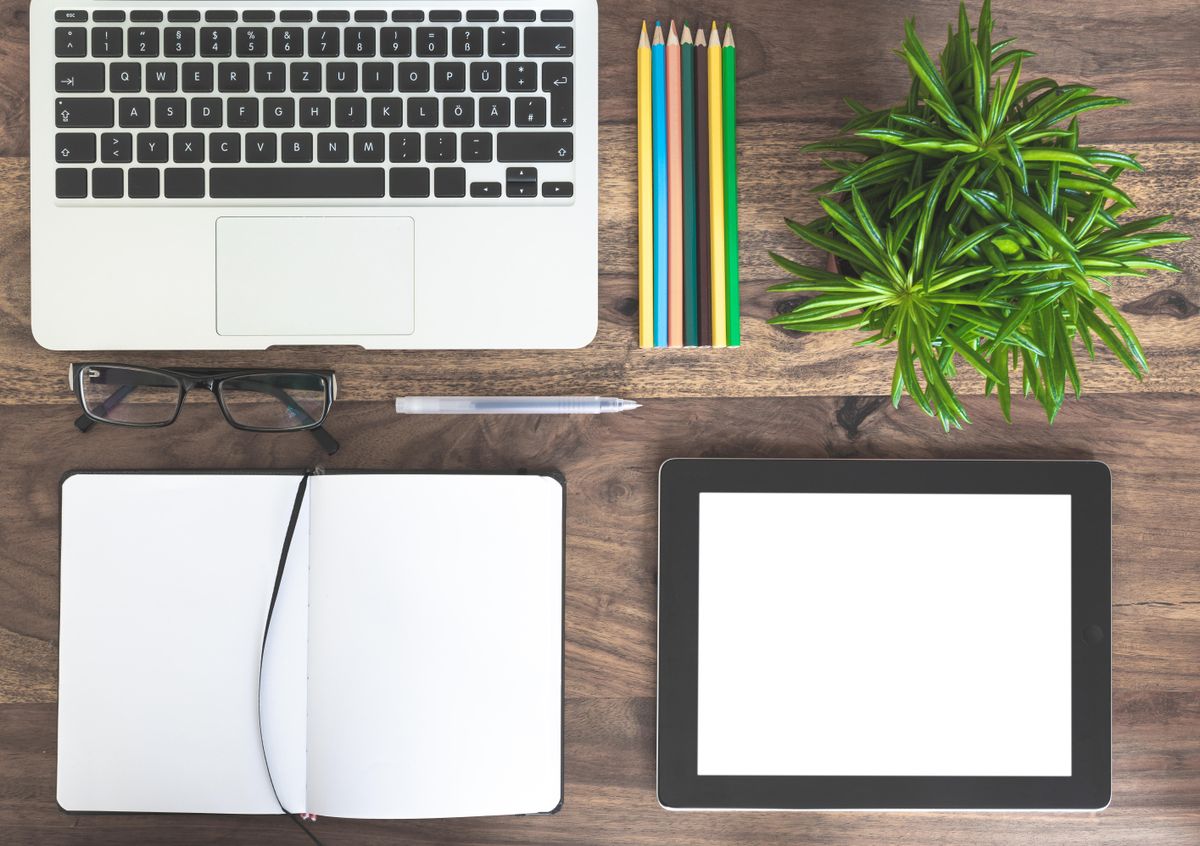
[{"x": 302, "y": 102}]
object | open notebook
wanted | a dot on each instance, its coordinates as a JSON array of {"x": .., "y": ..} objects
[{"x": 412, "y": 668}]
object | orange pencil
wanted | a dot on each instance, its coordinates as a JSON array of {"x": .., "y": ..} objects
[{"x": 674, "y": 193}]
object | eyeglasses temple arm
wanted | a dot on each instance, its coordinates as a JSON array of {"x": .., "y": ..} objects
[{"x": 326, "y": 440}]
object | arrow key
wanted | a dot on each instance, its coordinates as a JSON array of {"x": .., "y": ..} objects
[
  {"x": 78, "y": 77},
  {"x": 549, "y": 41},
  {"x": 75, "y": 147}
]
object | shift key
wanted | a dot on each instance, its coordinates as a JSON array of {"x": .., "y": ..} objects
[
  {"x": 535, "y": 147},
  {"x": 83, "y": 112}
]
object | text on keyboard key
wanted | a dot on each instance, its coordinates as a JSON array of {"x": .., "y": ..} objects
[
  {"x": 547, "y": 41},
  {"x": 70, "y": 42},
  {"x": 535, "y": 146},
  {"x": 83, "y": 112},
  {"x": 79, "y": 77},
  {"x": 75, "y": 147}
]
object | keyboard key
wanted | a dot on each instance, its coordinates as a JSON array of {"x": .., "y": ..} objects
[
  {"x": 341, "y": 77},
  {"x": 360, "y": 42},
  {"x": 296, "y": 183},
  {"x": 441, "y": 147},
  {"x": 504, "y": 41},
  {"x": 233, "y": 77},
  {"x": 183, "y": 182},
  {"x": 485, "y": 76},
  {"x": 485, "y": 189},
  {"x": 458, "y": 112},
  {"x": 116, "y": 147},
  {"x": 260, "y": 147},
  {"x": 378, "y": 77},
  {"x": 143, "y": 183},
  {"x": 315, "y": 112},
  {"x": 70, "y": 42},
  {"x": 83, "y": 112},
  {"x": 297, "y": 147},
  {"x": 549, "y": 41},
  {"x": 446, "y": 16},
  {"x": 187, "y": 148},
  {"x": 323, "y": 41},
  {"x": 179, "y": 42},
  {"x": 258, "y": 16},
  {"x": 519, "y": 16},
  {"x": 206, "y": 112},
  {"x": 370, "y": 16},
  {"x": 241, "y": 112},
  {"x": 108, "y": 42},
  {"x": 153, "y": 147},
  {"x": 483, "y": 15},
  {"x": 557, "y": 15},
  {"x": 279, "y": 112},
  {"x": 170, "y": 112},
  {"x": 221, "y": 16},
  {"x": 521, "y": 174},
  {"x": 108, "y": 15},
  {"x": 143, "y": 43},
  {"x": 125, "y": 77},
  {"x": 395, "y": 41},
  {"x": 495, "y": 112},
  {"x": 70, "y": 183},
  {"x": 407, "y": 16},
  {"x": 270, "y": 77},
  {"x": 70, "y": 16},
  {"x": 387, "y": 112},
  {"x": 558, "y": 80},
  {"x": 70, "y": 147},
  {"x": 535, "y": 147},
  {"x": 108, "y": 183},
  {"x": 197, "y": 77},
  {"x": 368, "y": 146},
  {"x": 183, "y": 16},
  {"x": 162, "y": 77},
  {"x": 333, "y": 147},
  {"x": 295, "y": 16},
  {"x": 225, "y": 148},
  {"x": 251, "y": 41},
  {"x": 467, "y": 41},
  {"x": 531, "y": 111},
  {"x": 521, "y": 189},
  {"x": 287, "y": 41},
  {"x": 133, "y": 112},
  {"x": 350, "y": 112},
  {"x": 413, "y": 77},
  {"x": 409, "y": 182},
  {"x": 558, "y": 189},
  {"x": 521, "y": 76},
  {"x": 450, "y": 76},
  {"x": 422, "y": 111},
  {"x": 431, "y": 42},
  {"x": 79, "y": 77},
  {"x": 333, "y": 16},
  {"x": 404, "y": 147},
  {"x": 216, "y": 41},
  {"x": 476, "y": 146},
  {"x": 306, "y": 76}
]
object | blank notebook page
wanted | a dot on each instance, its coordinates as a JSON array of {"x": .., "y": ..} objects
[
  {"x": 165, "y": 586},
  {"x": 435, "y": 661}
]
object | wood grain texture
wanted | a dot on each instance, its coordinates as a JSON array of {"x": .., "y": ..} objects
[
  {"x": 796, "y": 63},
  {"x": 611, "y": 466}
]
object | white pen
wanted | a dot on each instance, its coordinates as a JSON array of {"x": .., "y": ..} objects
[{"x": 512, "y": 405}]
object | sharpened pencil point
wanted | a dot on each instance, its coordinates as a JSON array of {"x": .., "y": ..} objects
[
  {"x": 658, "y": 34},
  {"x": 673, "y": 38},
  {"x": 729, "y": 36},
  {"x": 700, "y": 42}
]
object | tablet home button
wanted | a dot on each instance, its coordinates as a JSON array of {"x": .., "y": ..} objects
[{"x": 1093, "y": 634}]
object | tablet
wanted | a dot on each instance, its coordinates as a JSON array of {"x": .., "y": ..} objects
[{"x": 878, "y": 635}]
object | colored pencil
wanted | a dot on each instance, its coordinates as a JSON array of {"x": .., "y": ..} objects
[
  {"x": 645, "y": 198},
  {"x": 675, "y": 195},
  {"x": 733, "y": 308},
  {"x": 703, "y": 199},
  {"x": 687, "y": 79},
  {"x": 658, "y": 72},
  {"x": 716, "y": 187}
]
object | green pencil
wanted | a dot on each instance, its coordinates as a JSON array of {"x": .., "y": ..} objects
[
  {"x": 729, "y": 112},
  {"x": 691, "y": 310}
]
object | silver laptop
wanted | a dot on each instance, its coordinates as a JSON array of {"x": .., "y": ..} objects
[{"x": 238, "y": 174}]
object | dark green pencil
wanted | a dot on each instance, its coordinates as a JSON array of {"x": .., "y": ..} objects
[{"x": 687, "y": 73}]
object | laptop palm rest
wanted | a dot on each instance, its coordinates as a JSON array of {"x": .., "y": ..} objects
[{"x": 315, "y": 275}]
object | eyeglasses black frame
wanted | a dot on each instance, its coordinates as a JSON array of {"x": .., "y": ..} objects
[{"x": 211, "y": 379}]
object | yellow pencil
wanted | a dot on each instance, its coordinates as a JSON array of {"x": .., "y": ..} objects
[
  {"x": 716, "y": 186},
  {"x": 645, "y": 199}
]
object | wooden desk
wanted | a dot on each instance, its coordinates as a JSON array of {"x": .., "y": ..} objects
[{"x": 797, "y": 61}]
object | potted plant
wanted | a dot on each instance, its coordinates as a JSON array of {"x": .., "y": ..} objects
[{"x": 971, "y": 224}]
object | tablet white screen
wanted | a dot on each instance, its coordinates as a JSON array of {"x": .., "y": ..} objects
[{"x": 884, "y": 634}]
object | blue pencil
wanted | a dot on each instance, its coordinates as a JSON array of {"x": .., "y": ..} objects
[{"x": 658, "y": 84}]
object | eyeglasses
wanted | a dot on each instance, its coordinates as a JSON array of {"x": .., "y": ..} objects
[{"x": 252, "y": 400}]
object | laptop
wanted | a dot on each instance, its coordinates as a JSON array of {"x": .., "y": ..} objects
[{"x": 242, "y": 174}]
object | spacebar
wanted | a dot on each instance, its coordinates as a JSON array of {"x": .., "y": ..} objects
[{"x": 295, "y": 183}]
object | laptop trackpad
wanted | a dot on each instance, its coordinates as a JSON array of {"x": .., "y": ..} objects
[{"x": 315, "y": 275}]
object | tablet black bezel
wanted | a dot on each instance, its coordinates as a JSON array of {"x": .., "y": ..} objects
[{"x": 1089, "y": 485}]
